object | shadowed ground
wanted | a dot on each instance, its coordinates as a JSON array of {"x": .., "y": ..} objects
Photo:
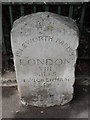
[{"x": 77, "y": 108}]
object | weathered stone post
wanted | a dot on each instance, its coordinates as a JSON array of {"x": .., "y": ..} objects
[{"x": 44, "y": 49}]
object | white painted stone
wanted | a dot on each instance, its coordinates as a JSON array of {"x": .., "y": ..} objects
[{"x": 44, "y": 48}]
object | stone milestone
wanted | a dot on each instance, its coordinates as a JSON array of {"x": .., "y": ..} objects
[{"x": 44, "y": 47}]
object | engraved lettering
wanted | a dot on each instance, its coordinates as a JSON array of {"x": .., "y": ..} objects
[
  {"x": 31, "y": 62},
  {"x": 40, "y": 62},
  {"x": 59, "y": 62},
  {"x": 49, "y": 61}
]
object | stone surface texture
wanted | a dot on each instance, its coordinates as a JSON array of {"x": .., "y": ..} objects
[{"x": 44, "y": 47}]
